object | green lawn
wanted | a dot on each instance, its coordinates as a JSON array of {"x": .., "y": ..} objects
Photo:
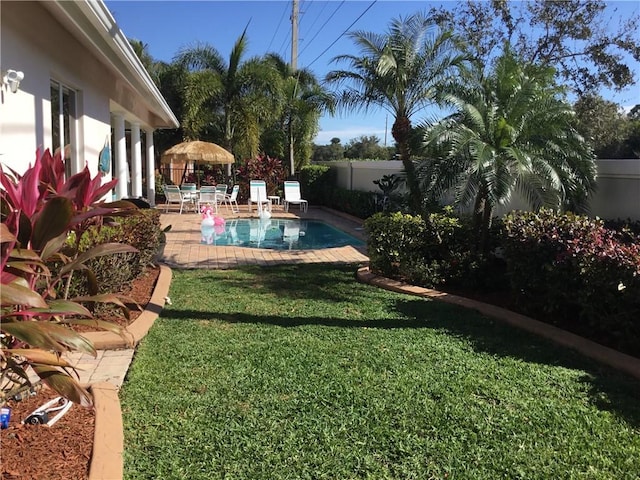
[{"x": 300, "y": 372}]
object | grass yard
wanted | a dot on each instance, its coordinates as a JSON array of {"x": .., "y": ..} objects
[{"x": 300, "y": 372}]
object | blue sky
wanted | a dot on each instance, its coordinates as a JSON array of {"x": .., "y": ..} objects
[{"x": 168, "y": 26}]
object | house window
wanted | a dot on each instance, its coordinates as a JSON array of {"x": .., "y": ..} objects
[{"x": 63, "y": 123}]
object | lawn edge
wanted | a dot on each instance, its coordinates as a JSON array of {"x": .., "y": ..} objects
[
  {"x": 140, "y": 327},
  {"x": 108, "y": 437},
  {"x": 605, "y": 355}
]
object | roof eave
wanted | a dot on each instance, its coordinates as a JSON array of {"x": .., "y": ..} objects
[{"x": 91, "y": 18}]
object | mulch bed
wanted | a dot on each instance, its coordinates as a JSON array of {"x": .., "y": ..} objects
[
  {"x": 140, "y": 292},
  {"x": 63, "y": 451}
]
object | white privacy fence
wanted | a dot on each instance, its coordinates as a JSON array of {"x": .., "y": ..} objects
[{"x": 618, "y": 194}]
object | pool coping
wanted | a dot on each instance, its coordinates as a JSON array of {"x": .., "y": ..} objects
[{"x": 185, "y": 251}]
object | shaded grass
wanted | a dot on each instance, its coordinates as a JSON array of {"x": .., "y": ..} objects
[{"x": 300, "y": 372}]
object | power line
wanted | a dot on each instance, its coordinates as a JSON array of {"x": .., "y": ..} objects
[
  {"x": 342, "y": 34},
  {"x": 320, "y": 29},
  {"x": 285, "y": 44},
  {"x": 278, "y": 27},
  {"x": 315, "y": 19}
]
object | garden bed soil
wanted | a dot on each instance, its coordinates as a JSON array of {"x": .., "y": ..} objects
[
  {"x": 140, "y": 292},
  {"x": 63, "y": 451}
]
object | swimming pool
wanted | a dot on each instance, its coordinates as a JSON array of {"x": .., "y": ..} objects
[{"x": 277, "y": 234}]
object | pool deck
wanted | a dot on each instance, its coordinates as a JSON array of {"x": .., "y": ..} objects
[{"x": 184, "y": 249}]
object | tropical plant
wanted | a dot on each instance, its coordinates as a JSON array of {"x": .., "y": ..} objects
[
  {"x": 511, "y": 132},
  {"x": 300, "y": 102},
  {"x": 264, "y": 168},
  {"x": 390, "y": 200},
  {"x": 398, "y": 71},
  {"x": 39, "y": 211},
  {"x": 226, "y": 102}
]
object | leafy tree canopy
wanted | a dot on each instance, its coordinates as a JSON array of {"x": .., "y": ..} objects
[
  {"x": 580, "y": 38},
  {"x": 367, "y": 147},
  {"x": 606, "y": 127}
]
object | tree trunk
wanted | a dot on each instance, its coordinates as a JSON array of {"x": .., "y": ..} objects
[
  {"x": 486, "y": 226},
  {"x": 400, "y": 131},
  {"x": 482, "y": 214},
  {"x": 478, "y": 209}
]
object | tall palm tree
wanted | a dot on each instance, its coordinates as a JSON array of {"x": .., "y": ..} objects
[
  {"x": 226, "y": 100},
  {"x": 511, "y": 132},
  {"x": 301, "y": 100},
  {"x": 398, "y": 71}
]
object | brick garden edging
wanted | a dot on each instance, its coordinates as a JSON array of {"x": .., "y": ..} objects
[
  {"x": 108, "y": 438},
  {"x": 608, "y": 356}
]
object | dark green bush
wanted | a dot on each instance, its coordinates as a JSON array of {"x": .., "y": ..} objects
[
  {"x": 316, "y": 181},
  {"x": 394, "y": 241},
  {"x": 431, "y": 252},
  {"x": 112, "y": 272},
  {"x": 354, "y": 202},
  {"x": 572, "y": 271}
]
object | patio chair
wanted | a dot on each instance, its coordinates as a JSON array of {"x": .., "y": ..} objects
[
  {"x": 258, "y": 195},
  {"x": 190, "y": 192},
  {"x": 292, "y": 196},
  {"x": 232, "y": 200},
  {"x": 173, "y": 195},
  {"x": 208, "y": 196}
]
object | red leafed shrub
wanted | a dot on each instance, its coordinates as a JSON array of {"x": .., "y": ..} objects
[
  {"x": 39, "y": 211},
  {"x": 574, "y": 272},
  {"x": 263, "y": 167}
]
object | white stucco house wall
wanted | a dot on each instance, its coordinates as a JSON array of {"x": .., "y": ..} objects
[{"x": 83, "y": 83}]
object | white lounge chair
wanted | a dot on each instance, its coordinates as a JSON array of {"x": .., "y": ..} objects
[
  {"x": 258, "y": 195},
  {"x": 292, "y": 196}
]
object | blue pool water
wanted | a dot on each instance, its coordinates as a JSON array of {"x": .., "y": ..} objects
[{"x": 278, "y": 234}]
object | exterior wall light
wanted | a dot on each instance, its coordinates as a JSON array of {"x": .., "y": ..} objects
[{"x": 13, "y": 78}]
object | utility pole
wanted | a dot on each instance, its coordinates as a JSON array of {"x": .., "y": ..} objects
[
  {"x": 294, "y": 67},
  {"x": 294, "y": 36},
  {"x": 386, "y": 117}
]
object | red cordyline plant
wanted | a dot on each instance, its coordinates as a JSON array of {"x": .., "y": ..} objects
[
  {"x": 263, "y": 167},
  {"x": 40, "y": 210}
]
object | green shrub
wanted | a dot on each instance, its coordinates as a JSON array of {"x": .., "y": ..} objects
[
  {"x": 316, "y": 181},
  {"x": 431, "y": 252},
  {"x": 394, "y": 241},
  {"x": 574, "y": 272},
  {"x": 111, "y": 273},
  {"x": 354, "y": 202}
]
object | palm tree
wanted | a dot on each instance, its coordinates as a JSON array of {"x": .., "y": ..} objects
[
  {"x": 226, "y": 101},
  {"x": 511, "y": 132},
  {"x": 398, "y": 71},
  {"x": 301, "y": 100}
]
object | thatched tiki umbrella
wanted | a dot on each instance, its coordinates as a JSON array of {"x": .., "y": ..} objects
[{"x": 197, "y": 152}]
